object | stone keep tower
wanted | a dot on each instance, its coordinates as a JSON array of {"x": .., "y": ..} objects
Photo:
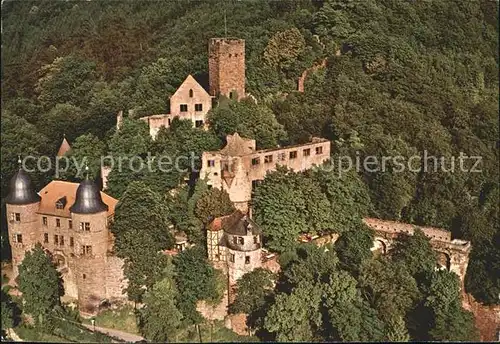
[
  {"x": 226, "y": 67},
  {"x": 89, "y": 214},
  {"x": 22, "y": 204}
]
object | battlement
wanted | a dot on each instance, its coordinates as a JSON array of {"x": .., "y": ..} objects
[
  {"x": 226, "y": 40},
  {"x": 394, "y": 227}
]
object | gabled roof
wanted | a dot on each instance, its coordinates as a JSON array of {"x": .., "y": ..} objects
[
  {"x": 64, "y": 148},
  {"x": 58, "y": 189},
  {"x": 237, "y": 223},
  {"x": 191, "y": 83}
]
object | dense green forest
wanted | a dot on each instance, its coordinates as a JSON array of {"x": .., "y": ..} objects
[{"x": 402, "y": 77}]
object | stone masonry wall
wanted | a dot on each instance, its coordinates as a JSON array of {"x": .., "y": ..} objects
[
  {"x": 27, "y": 227},
  {"x": 226, "y": 66}
]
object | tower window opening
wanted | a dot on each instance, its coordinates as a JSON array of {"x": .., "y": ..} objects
[
  {"x": 58, "y": 223},
  {"x": 45, "y": 238},
  {"x": 211, "y": 163},
  {"x": 44, "y": 220},
  {"x": 84, "y": 276},
  {"x": 231, "y": 257},
  {"x": 61, "y": 240},
  {"x": 56, "y": 239},
  {"x": 247, "y": 259},
  {"x": 19, "y": 238},
  {"x": 71, "y": 242},
  {"x": 17, "y": 217},
  {"x": 231, "y": 95},
  {"x": 190, "y": 93},
  {"x": 70, "y": 224},
  {"x": 85, "y": 226},
  {"x": 241, "y": 241},
  {"x": 86, "y": 250}
]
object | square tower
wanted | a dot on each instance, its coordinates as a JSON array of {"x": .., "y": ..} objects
[{"x": 226, "y": 67}]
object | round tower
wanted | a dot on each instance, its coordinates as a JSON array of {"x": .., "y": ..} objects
[
  {"x": 22, "y": 204},
  {"x": 89, "y": 216},
  {"x": 243, "y": 240}
]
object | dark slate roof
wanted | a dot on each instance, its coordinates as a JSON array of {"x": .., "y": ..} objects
[
  {"x": 21, "y": 190},
  {"x": 88, "y": 199},
  {"x": 238, "y": 223}
]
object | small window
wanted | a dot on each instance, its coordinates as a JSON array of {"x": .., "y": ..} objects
[
  {"x": 235, "y": 240},
  {"x": 255, "y": 161},
  {"x": 19, "y": 238},
  {"x": 18, "y": 217},
  {"x": 211, "y": 163},
  {"x": 231, "y": 95},
  {"x": 56, "y": 239},
  {"x": 58, "y": 223},
  {"x": 61, "y": 239},
  {"x": 198, "y": 123},
  {"x": 268, "y": 159},
  {"x": 44, "y": 220},
  {"x": 70, "y": 224},
  {"x": 184, "y": 107},
  {"x": 59, "y": 205},
  {"x": 169, "y": 122},
  {"x": 86, "y": 250},
  {"x": 247, "y": 259},
  {"x": 293, "y": 154},
  {"x": 307, "y": 152},
  {"x": 190, "y": 93},
  {"x": 198, "y": 107},
  {"x": 85, "y": 226},
  {"x": 71, "y": 242},
  {"x": 84, "y": 276},
  {"x": 45, "y": 238},
  {"x": 241, "y": 241},
  {"x": 319, "y": 150},
  {"x": 231, "y": 257},
  {"x": 281, "y": 156},
  {"x": 230, "y": 55}
]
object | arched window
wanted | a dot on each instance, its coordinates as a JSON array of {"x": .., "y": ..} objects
[{"x": 190, "y": 93}]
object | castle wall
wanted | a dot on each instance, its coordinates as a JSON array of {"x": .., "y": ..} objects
[{"x": 226, "y": 66}]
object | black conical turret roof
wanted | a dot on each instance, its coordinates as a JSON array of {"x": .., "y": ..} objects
[
  {"x": 88, "y": 199},
  {"x": 21, "y": 190}
]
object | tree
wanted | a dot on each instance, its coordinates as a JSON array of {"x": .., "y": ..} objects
[
  {"x": 397, "y": 331},
  {"x": 287, "y": 204},
  {"x": 41, "y": 285},
  {"x": 141, "y": 234},
  {"x": 249, "y": 120},
  {"x": 415, "y": 252},
  {"x": 348, "y": 196},
  {"x": 196, "y": 280},
  {"x": 451, "y": 321},
  {"x": 159, "y": 318},
  {"x": 295, "y": 317},
  {"x": 283, "y": 48},
  {"x": 353, "y": 248},
  {"x": 87, "y": 150},
  {"x": 255, "y": 291},
  {"x": 389, "y": 288},
  {"x": 213, "y": 203},
  {"x": 7, "y": 311}
]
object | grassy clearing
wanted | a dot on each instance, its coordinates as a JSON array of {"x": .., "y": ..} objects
[
  {"x": 30, "y": 334},
  {"x": 212, "y": 333},
  {"x": 122, "y": 319}
]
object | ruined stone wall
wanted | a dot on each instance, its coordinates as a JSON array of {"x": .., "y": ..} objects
[
  {"x": 115, "y": 279},
  {"x": 226, "y": 66},
  {"x": 27, "y": 227},
  {"x": 243, "y": 170},
  {"x": 400, "y": 227},
  {"x": 155, "y": 122},
  {"x": 214, "y": 312}
]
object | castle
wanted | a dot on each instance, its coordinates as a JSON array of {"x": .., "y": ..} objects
[
  {"x": 226, "y": 67},
  {"x": 71, "y": 222}
]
